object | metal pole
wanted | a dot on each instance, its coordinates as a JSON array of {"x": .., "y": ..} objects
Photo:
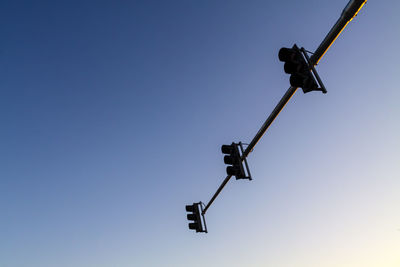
[
  {"x": 286, "y": 97},
  {"x": 289, "y": 93},
  {"x": 217, "y": 193},
  {"x": 348, "y": 13}
]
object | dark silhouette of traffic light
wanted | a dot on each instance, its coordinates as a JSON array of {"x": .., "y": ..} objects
[
  {"x": 194, "y": 217},
  {"x": 299, "y": 68},
  {"x": 233, "y": 158}
]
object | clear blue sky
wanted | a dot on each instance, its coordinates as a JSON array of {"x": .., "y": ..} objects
[{"x": 113, "y": 113}]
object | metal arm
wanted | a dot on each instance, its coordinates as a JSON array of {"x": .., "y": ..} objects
[{"x": 348, "y": 13}]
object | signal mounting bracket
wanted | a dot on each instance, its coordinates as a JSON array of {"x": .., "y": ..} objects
[
  {"x": 243, "y": 158},
  {"x": 202, "y": 213},
  {"x": 314, "y": 71}
]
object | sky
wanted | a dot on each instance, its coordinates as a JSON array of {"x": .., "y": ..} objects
[{"x": 113, "y": 113}]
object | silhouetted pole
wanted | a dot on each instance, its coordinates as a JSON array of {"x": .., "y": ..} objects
[{"x": 348, "y": 13}]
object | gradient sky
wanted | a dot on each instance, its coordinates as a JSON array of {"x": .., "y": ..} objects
[{"x": 113, "y": 113}]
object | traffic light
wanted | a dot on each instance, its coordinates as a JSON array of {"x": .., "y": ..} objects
[
  {"x": 299, "y": 68},
  {"x": 195, "y": 217},
  {"x": 233, "y": 158}
]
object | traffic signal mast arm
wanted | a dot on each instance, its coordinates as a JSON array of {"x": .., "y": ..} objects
[
  {"x": 256, "y": 138},
  {"x": 349, "y": 12}
]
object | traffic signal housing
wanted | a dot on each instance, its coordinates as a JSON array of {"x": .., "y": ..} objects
[
  {"x": 234, "y": 159},
  {"x": 297, "y": 64},
  {"x": 195, "y": 217}
]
